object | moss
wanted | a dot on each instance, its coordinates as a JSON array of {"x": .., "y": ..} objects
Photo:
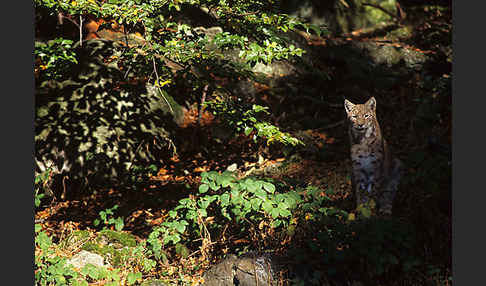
[
  {"x": 125, "y": 239},
  {"x": 116, "y": 257},
  {"x": 93, "y": 247},
  {"x": 375, "y": 16},
  {"x": 75, "y": 239},
  {"x": 116, "y": 246},
  {"x": 401, "y": 33}
]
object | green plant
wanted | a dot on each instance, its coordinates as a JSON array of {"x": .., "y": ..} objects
[
  {"x": 372, "y": 247},
  {"x": 224, "y": 200},
  {"x": 92, "y": 273},
  {"x": 54, "y": 58},
  {"x": 125, "y": 255},
  {"x": 257, "y": 31},
  {"x": 106, "y": 217},
  {"x": 41, "y": 186},
  {"x": 50, "y": 268},
  {"x": 244, "y": 119},
  {"x": 142, "y": 173}
]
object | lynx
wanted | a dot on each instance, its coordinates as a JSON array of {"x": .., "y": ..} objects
[{"x": 375, "y": 174}]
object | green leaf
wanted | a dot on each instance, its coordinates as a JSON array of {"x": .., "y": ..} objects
[
  {"x": 119, "y": 224},
  {"x": 267, "y": 206},
  {"x": 255, "y": 203},
  {"x": 285, "y": 212},
  {"x": 133, "y": 277},
  {"x": 175, "y": 238},
  {"x": 283, "y": 205},
  {"x": 172, "y": 213},
  {"x": 203, "y": 188},
  {"x": 203, "y": 212},
  {"x": 91, "y": 271},
  {"x": 248, "y": 130},
  {"x": 260, "y": 193},
  {"x": 180, "y": 226},
  {"x": 275, "y": 212},
  {"x": 214, "y": 186},
  {"x": 203, "y": 203},
  {"x": 235, "y": 197},
  {"x": 148, "y": 264},
  {"x": 191, "y": 214},
  {"x": 43, "y": 240},
  {"x": 252, "y": 185},
  {"x": 225, "y": 198},
  {"x": 37, "y": 201},
  {"x": 276, "y": 223},
  {"x": 269, "y": 187}
]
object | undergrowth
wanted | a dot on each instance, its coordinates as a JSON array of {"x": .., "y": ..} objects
[{"x": 262, "y": 214}]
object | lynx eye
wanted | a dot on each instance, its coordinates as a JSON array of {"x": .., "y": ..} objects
[{"x": 367, "y": 116}]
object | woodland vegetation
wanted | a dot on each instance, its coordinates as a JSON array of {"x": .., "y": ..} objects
[{"x": 172, "y": 134}]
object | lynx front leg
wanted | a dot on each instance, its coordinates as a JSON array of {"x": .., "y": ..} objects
[
  {"x": 362, "y": 188},
  {"x": 391, "y": 188}
]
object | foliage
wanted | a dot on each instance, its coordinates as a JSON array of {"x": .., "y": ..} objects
[
  {"x": 93, "y": 127},
  {"x": 247, "y": 202},
  {"x": 178, "y": 52},
  {"x": 142, "y": 173},
  {"x": 244, "y": 119},
  {"x": 55, "y": 58},
  {"x": 180, "y": 42},
  {"x": 106, "y": 217},
  {"x": 50, "y": 268},
  {"x": 41, "y": 186},
  {"x": 375, "y": 246}
]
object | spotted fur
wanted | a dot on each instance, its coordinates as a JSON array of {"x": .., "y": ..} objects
[{"x": 375, "y": 174}]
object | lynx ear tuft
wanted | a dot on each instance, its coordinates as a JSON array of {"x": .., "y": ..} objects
[
  {"x": 371, "y": 103},
  {"x": 348, "y": 105}
]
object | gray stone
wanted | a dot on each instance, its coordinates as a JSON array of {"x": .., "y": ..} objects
[
  {"x": 248, "y": 270},
  {"x": 84, "y": 257},
  {"x": 93, "y": 129},
  {"x": 221, "y": 274},
  {"x": 341, "y": 16},
  {"x": 232, "y": 168}
]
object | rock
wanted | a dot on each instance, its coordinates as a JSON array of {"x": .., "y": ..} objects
[
  {"x": 341, "y": 16},
  {"x": 232, "y": 168},
  {"x": 93, "y": 129},
  {"x": 254, "y": 270},
  {"x": 85, "y": 257},
  {"x": 248, "y": 270},
  {"x": 221, "y": 274}
]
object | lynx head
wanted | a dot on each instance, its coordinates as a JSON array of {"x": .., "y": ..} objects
[{"x": 361, "y": 116}]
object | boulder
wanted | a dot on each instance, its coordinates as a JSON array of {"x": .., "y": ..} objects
[
  {"x": 84, "y": 257},
  {"x": 248, "y": 270}
]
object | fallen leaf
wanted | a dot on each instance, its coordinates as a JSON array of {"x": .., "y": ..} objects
[{"x": 201, "y": 169}]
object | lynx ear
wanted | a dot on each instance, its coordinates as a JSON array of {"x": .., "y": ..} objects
[
  {"x": 371, "y": 103},
  {"x": 348, "y": 105}
]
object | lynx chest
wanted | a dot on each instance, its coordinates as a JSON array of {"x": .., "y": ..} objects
[{"x": 366, "y": 158}]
